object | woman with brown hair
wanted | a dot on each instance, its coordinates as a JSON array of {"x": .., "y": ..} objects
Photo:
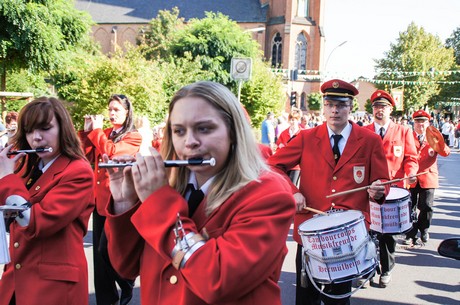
[
  {"x": 120, "y": 139},
  {"x": 54, "y": 187}
]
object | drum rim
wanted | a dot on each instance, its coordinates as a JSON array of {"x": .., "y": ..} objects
[{"x": 332, "y": 229}]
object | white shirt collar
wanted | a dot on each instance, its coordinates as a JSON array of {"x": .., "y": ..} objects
[
  {"x": 204, "y": 188},
  {"x": 345, "y": 132},
  {"x": 378, "y": 126},
  {"x": 44, "y": 168}
]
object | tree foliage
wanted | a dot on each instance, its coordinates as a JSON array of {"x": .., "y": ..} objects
[
  {"x": 211, "y": 43},
  {"x": 263, "y": 93},
  {"x": 215, "y": 39},
  {"x": 416, "y": 50},
  {"x": 155, "y": 39},
  {"x": 453, "y": 42},
  {"x": 315, "y": 100},
  {"x": 39, "y": 34},
  {"x": 148, "y": 84}
]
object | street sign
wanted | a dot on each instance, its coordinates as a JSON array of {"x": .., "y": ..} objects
[{"x": 241, "y": 68}]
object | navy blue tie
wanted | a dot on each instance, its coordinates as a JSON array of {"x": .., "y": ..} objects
[
  {"x": 196, "y": 196},
  {"x": 335, "y": 148}
]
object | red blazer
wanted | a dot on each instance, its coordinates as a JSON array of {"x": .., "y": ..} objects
[
  {"x": 48, "y": 263},
  {"x": 241, "y": 262},
  {"x": 361, "y": 163},
  {"x": 427, "y": 162},
  {"x": 284, "y": 139},
  {"x": 95, "y": 143},
  {"x": 400, "y": 151}
]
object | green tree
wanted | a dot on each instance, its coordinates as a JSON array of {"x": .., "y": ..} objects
[
  {"x": 38, "y": 34},
  {"x": 451, "y": 88},
  {"x": 315, "y": 100},
  {"x": 149, "y": 84},
  {"x": 212, "y": 42},
  {"x": 263, "y": 93},
  {"x": 155, "y": 39},
  {"x": 413, "y": 61},
  {"x": 453, "y": 42},
  {"x": 215, "y": 39}
]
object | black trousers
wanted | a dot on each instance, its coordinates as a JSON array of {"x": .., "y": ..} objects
[
  {"x": 105, "y": 277},
  {"x": 310, "y": 295},
  {"x": 387, "y": 246},
  {"x": 422, "y": 199}
]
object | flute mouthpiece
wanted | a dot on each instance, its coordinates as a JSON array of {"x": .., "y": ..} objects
[{"x": 212, "y": 162}]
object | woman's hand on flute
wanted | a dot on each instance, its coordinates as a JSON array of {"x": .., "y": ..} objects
[
  {"x": 376, "y": 190},
  {"x": 7, "y": 164},
  {"x": 121, "y": 186},
  {"x": 149, "y": 173}
]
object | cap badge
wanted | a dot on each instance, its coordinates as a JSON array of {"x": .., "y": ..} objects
[
  {"x": 335, "y": 84},
  {"x": 379, "y": 94}
]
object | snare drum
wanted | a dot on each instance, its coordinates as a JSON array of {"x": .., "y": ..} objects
[
  {"x": 337, "y": 247},
  {"x": 394, "y": 216}
]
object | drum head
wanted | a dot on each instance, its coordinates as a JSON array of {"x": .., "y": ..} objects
[
  {"x": 330, "y": 221},
  {"x": 397, "y": 193}
]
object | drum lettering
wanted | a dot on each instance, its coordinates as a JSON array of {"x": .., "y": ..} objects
[{"x": 339, "y": 267}]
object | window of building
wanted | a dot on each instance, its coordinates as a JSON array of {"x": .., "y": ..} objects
[
  {"x": 303, "y": 101},
  {"x": 277, "y": 47},
  {"x": 301, "y": 52},
  {"x": 303, "y": 7}
]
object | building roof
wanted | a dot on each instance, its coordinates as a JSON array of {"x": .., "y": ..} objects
[{"x": 142, "y": 11}]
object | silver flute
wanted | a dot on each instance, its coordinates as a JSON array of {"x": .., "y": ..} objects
[
  {"x": 168, "y": 163},
  {"x": 30, "y": 151}
]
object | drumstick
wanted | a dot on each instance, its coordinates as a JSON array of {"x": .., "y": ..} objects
[
  {"x": 315, "y": 211},
  {"x": 368, "y": 186}
]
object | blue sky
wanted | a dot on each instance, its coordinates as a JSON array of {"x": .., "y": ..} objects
[{"x": 369, "y": 26}]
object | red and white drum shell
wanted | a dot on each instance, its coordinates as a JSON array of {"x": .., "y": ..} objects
[
  {"x": 337, "y": 247},
  {"x": 394, "y": 216}
]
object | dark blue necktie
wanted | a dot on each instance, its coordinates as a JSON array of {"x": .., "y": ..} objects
[
  {"x": 196, "y": 196},
  {"x": 335, "y": 148}
]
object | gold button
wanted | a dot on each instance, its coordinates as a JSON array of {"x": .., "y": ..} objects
[
  {"x": 99, "y": 182},
  {"x": 173, "y": 279},
  {"x": 98, "y": 171},
  {"x": 16, "y": 245},
  {"x": 18, "y": 266},
  {"x": 100, "y": 160},
  {"x": 333, "y": 191},
  {"x": 334, "y": 178}
]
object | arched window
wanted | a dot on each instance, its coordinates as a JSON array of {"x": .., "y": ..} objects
[
  {"x": 277, "y": 47},
  {"x": 301, "y": 52},
  {"x": 303, "y": 101},
  {"x": 303, "y": 7}
]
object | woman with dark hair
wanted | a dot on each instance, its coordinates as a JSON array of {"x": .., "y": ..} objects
[
  {"x": 120, "y": 139},
  {"x": 226, "y": 245},
  {"x": 55, "y": 189}
]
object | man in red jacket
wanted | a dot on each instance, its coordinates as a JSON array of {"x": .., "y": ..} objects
[
  {"x": 422, "y": 192},
  {"x": 398, "y": 143},
  {"x": 356, "y": 160}
]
